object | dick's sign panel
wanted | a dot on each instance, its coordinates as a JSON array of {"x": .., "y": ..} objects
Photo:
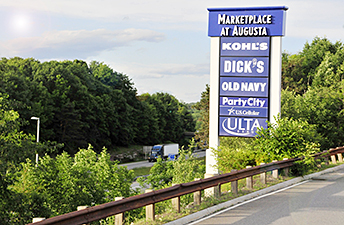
[{"x": 244, "y": 66}]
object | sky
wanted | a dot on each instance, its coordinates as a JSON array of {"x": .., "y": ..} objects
[{"x": 162, "y": 46}]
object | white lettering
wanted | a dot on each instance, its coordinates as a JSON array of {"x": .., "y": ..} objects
[
  {"x": 252, "y": 102},
  {"x": 240, "y": 125},
  {"x": 240, "y": 66},
  {"x": 245, "y": 46},
  {"x": 262, "y": 86},
  {"x": 227, "y": 66},
  {"x": 260, "y": 67},
  {"x": 221, "y": 18},
  {"x": 255, "y": 125},
  {"x": 248, "y": 121},
  {"x": 223, "y": 32},
  {"x": 263, "y": 46},
  {"x": 236, "y": 46},
  {"x": 244, "y": 86},
  {"x": 248, "y": 67},
  {"x": 226, "y": 46}
]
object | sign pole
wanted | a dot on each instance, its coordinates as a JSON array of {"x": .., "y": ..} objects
[
  {"x": 211, "y": 160},
  {"x": 275, "y": 78}
]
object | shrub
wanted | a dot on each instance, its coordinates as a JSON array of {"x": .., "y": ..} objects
[{"x": 289, "y": 138}]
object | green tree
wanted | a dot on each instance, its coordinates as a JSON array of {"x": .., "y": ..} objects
[
  {"x": 288, "y": 138},
  {"x": 172, "y": 119},
  {"x": 65, "y": 182},
  {"x": 236, "y": 153},
  {"x": 299, "y": 70},
  {"x": 15, "y": 147},
  {"x": 203, "y": 105}
]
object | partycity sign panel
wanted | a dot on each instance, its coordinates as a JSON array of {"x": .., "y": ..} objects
[{"x": 247, "y": 22}]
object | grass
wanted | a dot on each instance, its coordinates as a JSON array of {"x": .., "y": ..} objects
[{"x": 141, "y": 171}]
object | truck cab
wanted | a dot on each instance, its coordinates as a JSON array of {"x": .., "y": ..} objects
[{"x": 156, "y": 152}]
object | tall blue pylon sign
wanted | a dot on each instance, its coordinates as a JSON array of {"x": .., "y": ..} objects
[{"x": 245, "y": 71}]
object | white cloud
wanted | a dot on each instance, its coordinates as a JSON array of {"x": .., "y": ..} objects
[
  {"x": 180, "y": 69},
  {"x": 141, "y": 71},
  {"x": 77, "y": 43}
]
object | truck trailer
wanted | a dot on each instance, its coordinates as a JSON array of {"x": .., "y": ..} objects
[{"x": 163, "y": 151}]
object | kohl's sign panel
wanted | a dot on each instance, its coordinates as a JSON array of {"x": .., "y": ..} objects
[{"x": 241, "y": 46}]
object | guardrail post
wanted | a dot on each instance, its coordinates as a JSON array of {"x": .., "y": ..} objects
[
  {"x": 249, "y": 180},
  {"x": 275, "y": 172},
  {"x": 263, "y": 176},
  {"x": 333, "y": 159},
  {"x": 286, "y": 170},
  {"x": 176, "y": 203},
  {"x": 213, "y": 191},
  {"x": 340, "y": 157},
  {"x": 234, "y": 186},
  {"x": 150, "y": 209},
  {"x": 197, "y": 196},
  {"x": 37, "y": 219},
  {"x": 81, "y": 208},
  {"x": 119, "y": 218}
]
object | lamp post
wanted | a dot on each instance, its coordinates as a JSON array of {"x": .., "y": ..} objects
[{"x": 38, "y": 121}]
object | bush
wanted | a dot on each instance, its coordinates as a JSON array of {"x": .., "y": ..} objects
[
  {"x": 289, "y": 138},
  {"x": 235, "y": 153},
  {"x": 59, "y": 185}
]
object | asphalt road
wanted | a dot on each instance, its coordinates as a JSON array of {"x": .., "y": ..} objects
[
  {"x": 318, "y": 201},
  {"x": 133, "y": 165},
  {"x": 130, "y": 166}
]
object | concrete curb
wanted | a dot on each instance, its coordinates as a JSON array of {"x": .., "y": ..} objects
[{"x": 198, "y": 215}]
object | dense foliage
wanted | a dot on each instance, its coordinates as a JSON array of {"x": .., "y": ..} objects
[
  {"x": 58, "y": 186},
  {"x": 202, "y": 134},
  {"x": 182, "y": 170},
  {"x": 80, "y": 104},
  {"x": 166, "y": 173},
  {"x": 16, "y": 147},
  {"x": 288, "y": 138},
  {"x": 236, "y": 153},
  {"x": 313, "y": 89}
]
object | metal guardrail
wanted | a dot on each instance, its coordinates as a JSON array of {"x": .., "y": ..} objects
[{"x": 103, "y": 211}]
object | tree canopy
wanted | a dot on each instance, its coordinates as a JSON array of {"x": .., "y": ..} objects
[
  {"x": 313, "y": 89},
  {"x": 81, "y": 104}
]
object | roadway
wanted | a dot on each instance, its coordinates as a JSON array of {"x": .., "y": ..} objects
[
  {"x": 133, "y": 165},
  {"x": 317, "y": 201},
  {"x": 130, "y": 166}
]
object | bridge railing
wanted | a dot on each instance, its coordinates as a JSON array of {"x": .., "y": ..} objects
[{"x": 103, "y": 211}]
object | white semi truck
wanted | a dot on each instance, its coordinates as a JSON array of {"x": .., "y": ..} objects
[{"x": 163, "y": 151}]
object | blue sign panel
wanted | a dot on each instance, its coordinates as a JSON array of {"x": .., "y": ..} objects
[
  {"x": 243, "y": 107},
  {"x": 244, "y": 66},
  {"x": 247, "y": 22},
  {"x": 242, "y": 46},
  {"x": 240, "y": 126},
  {"x": 244, "y": 86}
]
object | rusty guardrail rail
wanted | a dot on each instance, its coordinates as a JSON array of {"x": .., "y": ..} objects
[{"x": 103, "y": 211}]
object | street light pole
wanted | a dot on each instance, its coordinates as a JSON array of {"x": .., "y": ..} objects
[{"x": 38, "y": 121}]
